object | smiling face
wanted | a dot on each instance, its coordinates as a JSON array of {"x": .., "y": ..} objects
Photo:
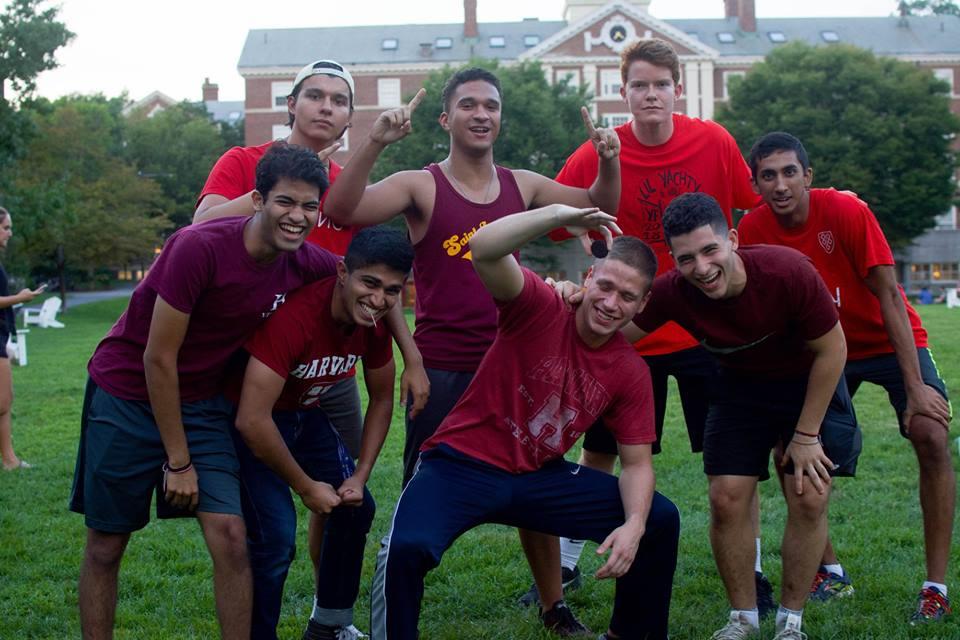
[
  {"x": 288, "y": 213},
  {"x": 650, "y": 93},
  {"x": 321, "y": 111},
  {"x": 6, "y": 230},
  {"x": 614, "y": 293},
  {"x": 709, "y": 261},
  {"x": 473, "y": 118},
  {"x": 784, "y": 186},
  {"x": 366, "y": 293}
]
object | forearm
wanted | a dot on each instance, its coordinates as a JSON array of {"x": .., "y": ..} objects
[
  {"x": 347, "y": 190},
  {"x": 636, "y": 491},
  {"x": 501, "y": 239},
  {"x": 822, "y": 382},
  {"x": 164, "y": 392},
  {"x": 897, "y": 323},
  {"x": 9, "y": 301},
  {"x": 397, "y": 323},
  {"x": 242, "y": 206},
  {"x": 605, "y": 190},
  {"x": 376, "y": 424}
]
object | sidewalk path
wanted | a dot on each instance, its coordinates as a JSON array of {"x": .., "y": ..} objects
[{"x": 83, "y": 297}]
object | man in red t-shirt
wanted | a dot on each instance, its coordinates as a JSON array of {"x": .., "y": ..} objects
[
  {"x": 886, "y": 343},
  {"x": 312, "y": 342},
  {"x": 498, "y": 456},
  {"x": 662, "y": 155}
]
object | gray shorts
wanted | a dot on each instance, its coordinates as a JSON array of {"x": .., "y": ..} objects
[
  {"x": 341, "y": 404},
  {"x": 120, "y": 460}
]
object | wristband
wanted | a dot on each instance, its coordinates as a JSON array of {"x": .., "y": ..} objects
[
  {"x": 804, "y": 433},
  {"x": 168, "y": 469}
]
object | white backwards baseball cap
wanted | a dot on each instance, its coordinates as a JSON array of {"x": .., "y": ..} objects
[{"x": 327, "y": 68}]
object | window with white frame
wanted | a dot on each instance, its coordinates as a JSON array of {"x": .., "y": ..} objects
[
  {"x": 279, "y": 131},
  {"x": 389, "y": 44},
  {"x": 497, "y": 42},
  {"x": 610, "y": 83},
  {"x": 947, "y": 76},
  {"x": 572, "y": 76},
  {"x": 278, "y": 95},
  {"x": 388, "y": 92},
  {"x": 726, "y": 81},
  {"x": 443, "y": 43},
  {"x": 616, "y": 119}
]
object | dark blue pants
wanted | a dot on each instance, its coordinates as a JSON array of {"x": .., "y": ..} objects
[
  {"x": 452, "y": 493},
  {"x": 271, "y": 520}
]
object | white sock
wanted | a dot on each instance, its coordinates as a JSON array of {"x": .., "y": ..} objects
[
  {"x": 570, "y": 551},
  {"x": 756, "y": 566},
  {"x": 834, "y": 568},
  {"x": 941, "y": 587},
  {"x": 789, "y": 617},
  {"x": 750, "y": 616}
]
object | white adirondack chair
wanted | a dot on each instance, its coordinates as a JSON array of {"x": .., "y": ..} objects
[
  {"x": 17, "y": 350},
  {"x": 953, "y": 300},
  {"x": 46, "y": 315}
]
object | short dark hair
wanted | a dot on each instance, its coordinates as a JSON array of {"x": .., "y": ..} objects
[
  {"x": 293, "y": 162},
  {"x": 634, "y": 253},
  {"x": 773, "y": 142},
  {"x": 657, "y": 52},
  {"x": 380, "y": 245},
  {"x": 462, "y": 77},
  {"x": 690, "y": 211}
]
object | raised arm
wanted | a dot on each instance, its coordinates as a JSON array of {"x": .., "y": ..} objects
[
  {"x": 636, "y": 491},
  {"x": 493, "y": 245},
  {"x": 22, "y": 297},
  {"x": 350, "y": 201},
  {"x": 921, "y": 399},
  {"x": 805, "y": 450},
  {"x": 376, "y": 423},
  {"x": 261, "y": 388}
]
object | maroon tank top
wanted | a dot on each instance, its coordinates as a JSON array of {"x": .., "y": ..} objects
[{"x": 456, "y": 315}]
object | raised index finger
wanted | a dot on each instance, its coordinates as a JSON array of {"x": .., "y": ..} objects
[
  {"x": 588, "y": 122},
  {"x": 417, "y": 99}
]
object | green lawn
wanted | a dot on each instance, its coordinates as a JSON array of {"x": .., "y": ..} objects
[{"x": 165, "y": 589}]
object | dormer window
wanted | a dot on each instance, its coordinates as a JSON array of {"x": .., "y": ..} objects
[
  {"x": 725, "y": 37},
  {"x": 444, "y": 43},
  {"x": 389, "y": 44},
  {"x": 498, "y": 42},
  {"x": 777, "y": 36}
]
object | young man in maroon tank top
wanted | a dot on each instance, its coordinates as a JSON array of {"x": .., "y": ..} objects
[{"x": 444, "y": 204}]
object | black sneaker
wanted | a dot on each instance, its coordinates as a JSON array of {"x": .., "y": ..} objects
[
  {"x": 766, "y": 604},
  {"x": 317, "y": 631},
  {"x": 561, "y": 621},
  {"x": 572, "y": 579}
]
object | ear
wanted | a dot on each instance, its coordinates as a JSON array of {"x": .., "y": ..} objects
[
  {"x": 808, "y": 178},
  {"x": 623, "y": 92},
  {"x": 342, "y": 272},
  {"x": 733, "y": 238},
  {"x": 754, "y": 185},
  {"x": 644, "y": 301},
  {"x": 678, "y": 91},
  {"x": 258, "y": 201},
  {"x": 444, "y": 121},
  {"x": 291, "y": 105}
]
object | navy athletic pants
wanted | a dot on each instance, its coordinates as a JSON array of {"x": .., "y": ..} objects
[{"x": 452, "y": 493}]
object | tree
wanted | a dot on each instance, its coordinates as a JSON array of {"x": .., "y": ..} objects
[
  {"x": 541, "y": 123},
  {"x": 177, "y": 147},
  {"x": 79, "y": 207},
  {"x": 876, "y": 126},
  {"x": 928, "y": 7}
]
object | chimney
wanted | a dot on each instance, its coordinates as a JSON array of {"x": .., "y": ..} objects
[
  {"x": 470, "y": 19},
  {"x": 211, "y": 92},
  {"x": 744, "y": 11}
]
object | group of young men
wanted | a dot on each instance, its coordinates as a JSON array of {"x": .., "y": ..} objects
[{"x": 229, "y": 379}]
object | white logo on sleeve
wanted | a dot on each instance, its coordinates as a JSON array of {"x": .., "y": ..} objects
[{"x": 278, "y": 299}]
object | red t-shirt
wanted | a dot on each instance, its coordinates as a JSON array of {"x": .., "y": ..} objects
[
  {"x": 763, "y": 330},
  {"x": 304, "y": 344},
  {"x": 204, "y": 271},
  {"x": 234, "y": 174},
  {"x": 844, "y": 240},
  {"x": 700, "y": 156},
  {"x": 539, "y": 387}
]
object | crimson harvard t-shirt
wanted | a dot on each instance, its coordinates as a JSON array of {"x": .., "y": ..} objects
[
  {"x": 234, "y": 174},
  {"x": 304, "y": 344},
  {"x": 844, "y": 240},
  {"x": 540, "y": 386},
  {"x": 700, "y": 156},
  {"x": 764, "y": 330}
]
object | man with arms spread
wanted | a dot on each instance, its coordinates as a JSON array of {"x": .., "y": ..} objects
[
  {"x": 320, "y": 107},
  {"x": 153, "y": 412},
  {"x": 314, "y": 340},
  {"x": 768, "y": 317},
  {"x": 498, "y": 456},
  {"x": 663, "y": 154},
  {"x": 886, "y": 343},
  {"x": 443, "y": 205}
]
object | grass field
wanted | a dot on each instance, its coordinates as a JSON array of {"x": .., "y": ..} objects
[{"x": 165, "y": 589}]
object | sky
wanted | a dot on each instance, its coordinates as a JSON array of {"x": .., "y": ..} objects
[{"x": 140, "y": 46}]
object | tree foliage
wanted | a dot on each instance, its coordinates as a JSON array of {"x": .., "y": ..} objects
[
  {"x": 876, "y": 126},
  {"x": 928, "y": 8},
  {"x": 177, "y": 147},
  {"x": 541, "y": 123},
  {"x": 29, "y": 38}
]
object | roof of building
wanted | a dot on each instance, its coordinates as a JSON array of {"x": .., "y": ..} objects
[
  {"x": 264, "y": 48},
  {"x": 228, "y": 111}
]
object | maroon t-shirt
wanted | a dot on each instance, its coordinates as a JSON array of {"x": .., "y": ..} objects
[
  {"x": 762, "y": 331},
  {"x": 540, "y": 386},
  {"x": 304, "y": 344},
  {"x": 204, "y": 271},
  {"x": 456, "y": 316}
]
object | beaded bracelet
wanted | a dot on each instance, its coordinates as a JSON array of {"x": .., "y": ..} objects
[{"x": 168, "y": 469}]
